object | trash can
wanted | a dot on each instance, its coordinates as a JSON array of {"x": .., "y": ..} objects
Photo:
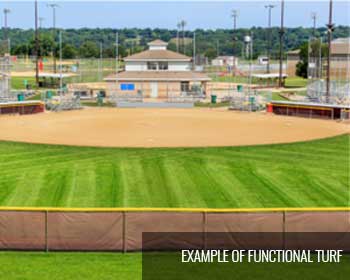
[
  {"x": 239, "y": 88},
  {"x": 99, "y": 99},
  {"x": 49, "y": 94},
  {"x": 20, "y": 97},
  {"x": 213, "y": 99}
]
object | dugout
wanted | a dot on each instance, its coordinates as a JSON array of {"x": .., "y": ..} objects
[
  {"x": 21, "y": 107},
  {"x": 309, "y": 110},
  {"x": 51, "y": 80}
]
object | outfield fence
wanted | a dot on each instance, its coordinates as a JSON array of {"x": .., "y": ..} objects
[{"x": 114, "y": 229}]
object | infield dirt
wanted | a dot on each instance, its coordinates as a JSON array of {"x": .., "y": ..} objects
[{"x": 112, "y": 127}]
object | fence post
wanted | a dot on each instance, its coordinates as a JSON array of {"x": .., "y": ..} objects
[
  {"x": 204, "y": 230},
  {"x": 284, "y": 230},
  {"x": 124, "y": 232},
  {"x": 46, "y": 231}
]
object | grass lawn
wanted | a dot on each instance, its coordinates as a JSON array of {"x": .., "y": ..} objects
[
  {"x": 306, "y": 174},
  {"x": 67, "y": 266},
  {"x": 110, "y": 266},
  {"x": 212, "y": 105},
  {"x": 277, "y": 97},
  {"x": 17, "y": 83},
  {"x": 295, "y": 82}
]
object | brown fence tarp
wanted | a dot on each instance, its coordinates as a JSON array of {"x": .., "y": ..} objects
[
  {"x": 139, "y": 222},
  {"x": 123, "y": 230},
  {"x": 22, "y": 230},
  {"x": 85, "y": 231},
  {"x": 244, "y": 223},
  {"x": 337, "y": 223}
]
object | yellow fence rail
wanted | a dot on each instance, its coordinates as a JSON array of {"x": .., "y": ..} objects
[{"x": 165, "y": 209}]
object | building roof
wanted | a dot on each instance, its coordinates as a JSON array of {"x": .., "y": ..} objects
[
  {"x": 294, "y": 52},
  {"x": 157, "y": 55},
  {"x": 225, "y": 57},
  {"x": 157, "y": 43},
  {"x": 54, "y": 75},
  {"x": 341, "y": 46},
  {"x": 269, "y": 76},
  {"x": 158, "y": 76}
]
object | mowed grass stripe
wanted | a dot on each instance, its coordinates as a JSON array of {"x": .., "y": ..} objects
[{"x": 305, "y": 174}]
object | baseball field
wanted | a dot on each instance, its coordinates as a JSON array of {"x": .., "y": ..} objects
[
  {"x": 163, "y": 158},
  {"x": 310, "y": 173}
]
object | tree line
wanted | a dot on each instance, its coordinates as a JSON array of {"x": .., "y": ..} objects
[{"x": 88, "y": 42}]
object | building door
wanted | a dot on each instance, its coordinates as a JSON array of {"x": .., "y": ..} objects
[{"x": 154, "y": 90}]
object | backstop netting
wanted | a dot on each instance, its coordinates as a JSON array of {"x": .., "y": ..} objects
[{"x": 338, "y": 90}]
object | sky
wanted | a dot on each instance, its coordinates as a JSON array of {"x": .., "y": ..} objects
[{"x": 166, "y": 14}]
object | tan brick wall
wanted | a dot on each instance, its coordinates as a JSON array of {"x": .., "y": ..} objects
[
  {"x": 164, "y": 88},
  {"x": 291, "y": 67}
]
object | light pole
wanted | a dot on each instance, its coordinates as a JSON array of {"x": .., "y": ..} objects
[
  {"x": 234, "y": 37},
  {"x": 269, "y": 7},
  {"x": 183, "y": 24},
  {"x": 36, "y": 44},
  {"x": 314, "y": 18},
  {"x": 54, "y": 6},
  {"x": 6, "y": 12},
  {"x": 194, "y": 50},
  {"x": 177, "y": 37},
  {"x": 281, "y": 32},
  {"x": 41, "y": 19},
  {"x": 330, "y": 29}
]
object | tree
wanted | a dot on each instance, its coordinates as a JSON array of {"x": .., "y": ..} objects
[
  {"x": 68, "y": 51},
  {"x": 21, "y": 49},
  {"x": 316, "y": 47},
  {"x": 210, "y": 53},
  {"x": 89, "y": 49}
]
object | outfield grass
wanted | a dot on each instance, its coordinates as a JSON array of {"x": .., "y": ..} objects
[
  {"x": 68, "y": 266},
  {"x": 305, "y": 174},
  {"x": 110, "y": 266}
]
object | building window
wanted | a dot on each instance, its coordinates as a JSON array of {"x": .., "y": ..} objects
[
  {"x": 185, "y": 86},
  {"x": 163, "y": 65},
  {"x": 151, "y": 66}
]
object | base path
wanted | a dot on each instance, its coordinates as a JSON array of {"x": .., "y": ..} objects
[{"x": 112, "y": 127}]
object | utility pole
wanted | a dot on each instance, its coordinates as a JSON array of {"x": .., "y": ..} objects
[
  {"x": 100, "y": 66},
  {"x": 60, "y": 55},
  {"x": 183, "y": 24},
  {"x": 36, "y": 45},
  {"x": 269, "y": 7},
  {"x": 330, "y": 29},
  {"x": 217, "y": 48},
  {"x": 281, "y": 33},
  {"x": 6, "y": 12},
  {"x": 54, "y": 6},
  {"x": 177, "y": 37},
  {"x": 116, "y": 53},
  {"x": 234, "y": 38},
  {"x": 194, "y": 50},
  {"x": 41, "y": 19},
  {"x": 314, "y": 18}
]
